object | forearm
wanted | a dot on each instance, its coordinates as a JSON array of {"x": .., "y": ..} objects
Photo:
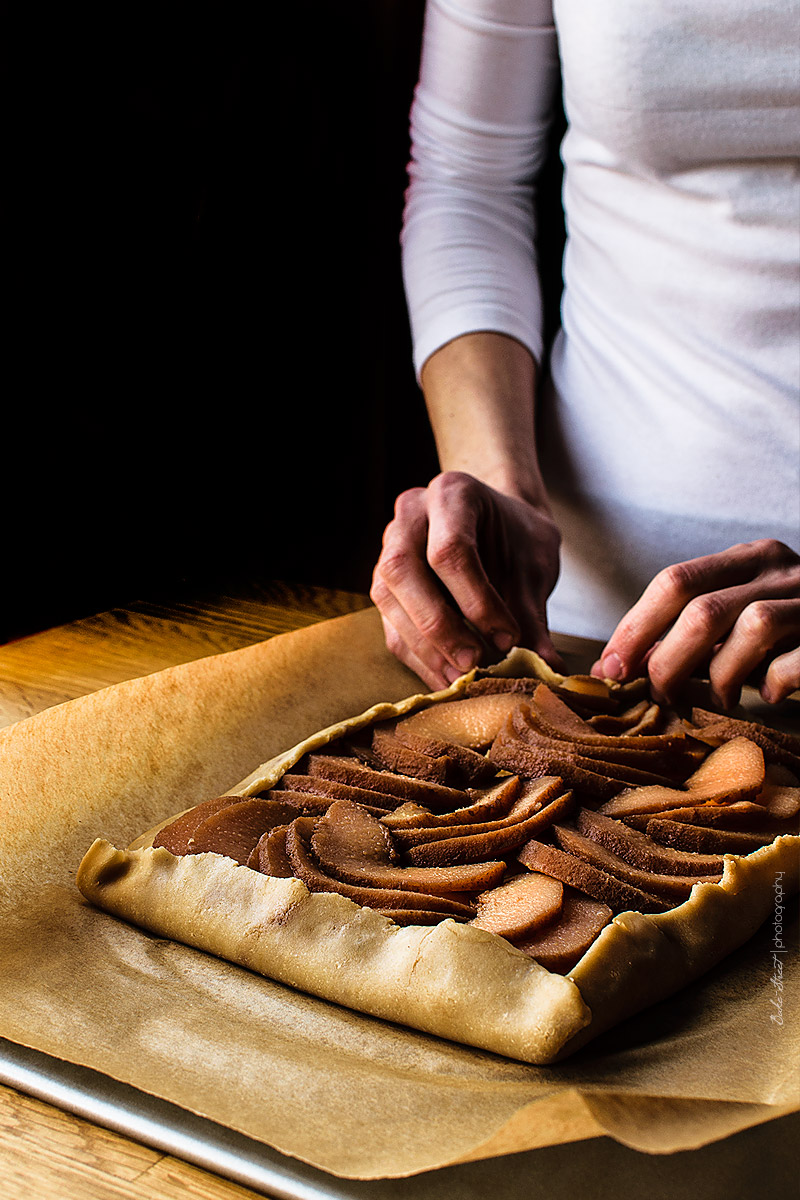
[
  {"x": 470, "y": 560},
  {"x": 479, "y": 390}
]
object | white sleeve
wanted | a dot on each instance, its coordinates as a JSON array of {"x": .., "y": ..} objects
[{"x": 479, "y": 128}]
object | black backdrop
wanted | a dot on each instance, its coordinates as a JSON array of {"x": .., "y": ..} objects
[{"x": 209, "y": 369}]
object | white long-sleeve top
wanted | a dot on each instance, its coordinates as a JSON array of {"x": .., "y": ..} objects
[{"x": 671, "y": 422}]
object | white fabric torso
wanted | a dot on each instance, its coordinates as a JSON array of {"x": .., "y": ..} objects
[{"x": 671, "y": 427}]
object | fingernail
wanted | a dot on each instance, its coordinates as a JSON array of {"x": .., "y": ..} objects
[
  {"x": 451, "y": 673},
  {"x": 611, "y": 665},
  {"x": 503, "y": 640},
  {"x": 466, "y": 658}
]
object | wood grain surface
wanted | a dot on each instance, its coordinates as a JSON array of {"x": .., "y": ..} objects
[
  {"x": 124, "y": 643},
  {"x": 52, "y": 1155},
  {"x": 46, "y": 1153}
]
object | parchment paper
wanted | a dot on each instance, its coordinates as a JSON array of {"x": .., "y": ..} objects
[{"x": 352, "y": 1095}]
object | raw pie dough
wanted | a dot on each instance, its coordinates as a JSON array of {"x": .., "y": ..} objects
[{"x": 451, "y": 979}]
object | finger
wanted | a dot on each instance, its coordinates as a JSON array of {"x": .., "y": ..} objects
[
  {"x": 535, "y": 634},
  {"x": 403, "y": 583},
  {"x": 672, "y": 589},
  {"x": 436, "y": 669},
  {"x": 782, "y": 677},
  {"x": 762, "y": 628},
  {"x": 400, "y": 649},
  {"x": 705, "y": 621},
  {"x": 452, "y": 551}
]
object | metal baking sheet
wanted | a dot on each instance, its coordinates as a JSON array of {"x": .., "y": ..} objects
[{"x": 762, "y": 1160}]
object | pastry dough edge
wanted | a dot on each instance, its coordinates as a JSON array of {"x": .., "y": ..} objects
[
  {"x": 640, "y": 959},
  {"x": 450, "y": 979},
  {"x": 466, "y": 983}
]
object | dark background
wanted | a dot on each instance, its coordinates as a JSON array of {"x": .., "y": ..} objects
[{"x": 209, "y": 368}]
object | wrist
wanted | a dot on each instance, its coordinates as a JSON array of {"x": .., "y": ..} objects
[
  {"x": 519, "y": 481},
  {"x": 479, "y": 390}
]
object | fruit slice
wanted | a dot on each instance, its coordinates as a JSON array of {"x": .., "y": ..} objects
[
  {"x": 642, "y": 719},
  {"x": 550, "y": 716},
  {"x": 175, "y": 836},
  {"x": 351, "y": 771},
  {"x": 778, "y": 746},
  {"x": 650, "y": 722},
  {"x": 311, "y": 803},
  {"x": 355, "y": 847},
  {"x": 639, "y": 850},
  {"x": 521, "y": 905},
  {"x": 472, "y": 722},
  {"x": 236, "y": 829},
  {"x": 394, "y": 755},
  {"x": 410, "y": 815},
  {"x": 629, "y": 693},
  {"x": 531, "y": 798},
  {"x": 270, "y": 854},
  {"x": 780, "y": 798},
  {"x": 650, "y": 800},
  {"x": 511, "y": 752},
  {"x": 496, "y": 843},
  {"x": 559, "y": 717},
  {"x": 706, "y": 840},
  {"x": 620, "y": 723},
  {"x": 629, "y": 761},
  {"x": 559, "y": 947},
  {"x": 468, "y": 767},
  {"x": 671, "y": 887},
  {"x": 492, "y": 804},
  {"x": 318, "y": 787},
  {"x": 742, "y": 814},
  {"x": 734, "y": 771},
  {"x": 316, "y": 879},
  {"x": 578, "y": 873},
  {"x": 587, "y": 694},
  {"x": 410, "y": 916}
]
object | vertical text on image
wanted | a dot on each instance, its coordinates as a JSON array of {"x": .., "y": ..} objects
[{"x": 778, "y": 948}]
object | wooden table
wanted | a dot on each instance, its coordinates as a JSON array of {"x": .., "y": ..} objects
[
  {"x": 72, "y": 660},
  {"x": 45, "y": 1152},
  {"x": 48, "y": 1153}
]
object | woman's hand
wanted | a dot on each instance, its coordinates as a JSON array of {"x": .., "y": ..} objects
[
  {"x": 460, "y": 552},
  {"x": 470, "y": 559},
  {"x": 739, "y": 609}
]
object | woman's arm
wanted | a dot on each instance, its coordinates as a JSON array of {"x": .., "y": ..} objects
[
  {"x": 478, "y": 547},
  {"x": 476, "y": 551}
]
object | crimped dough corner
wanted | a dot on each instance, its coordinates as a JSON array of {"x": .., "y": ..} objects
[{"x": 449, "y": 979}]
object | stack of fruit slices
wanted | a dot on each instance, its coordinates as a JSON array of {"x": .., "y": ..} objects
[{"x": 534, "y": 811}]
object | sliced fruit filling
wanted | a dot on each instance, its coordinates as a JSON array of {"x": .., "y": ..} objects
[{"x": 533, "y": 811}]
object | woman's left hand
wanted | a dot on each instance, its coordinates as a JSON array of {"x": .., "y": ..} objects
[{"x": 737, "y": 611}]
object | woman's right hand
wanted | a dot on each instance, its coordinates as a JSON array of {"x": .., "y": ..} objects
[{"x": 461, "y": 557}]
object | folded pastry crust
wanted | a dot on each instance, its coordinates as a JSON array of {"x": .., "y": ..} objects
[{"x": 450, "y": 979}]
